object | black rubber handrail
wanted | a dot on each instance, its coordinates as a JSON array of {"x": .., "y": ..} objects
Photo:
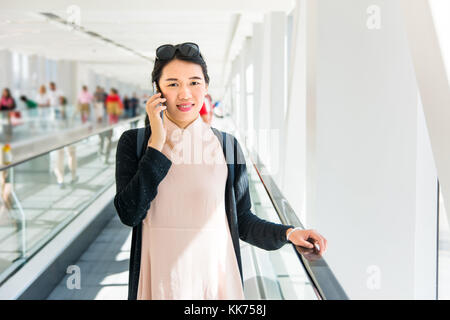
[
  {"x": 85, "y": 132},
  {"x": 325, "y": 284}
]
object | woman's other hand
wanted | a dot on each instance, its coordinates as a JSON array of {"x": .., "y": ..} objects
[{"x": 308, "y": 239}]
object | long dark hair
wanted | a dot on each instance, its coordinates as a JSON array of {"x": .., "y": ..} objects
[{"x": 160, "y": 64}]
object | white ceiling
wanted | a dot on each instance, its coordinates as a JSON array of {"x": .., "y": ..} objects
[{"x": 219, "y": 27}]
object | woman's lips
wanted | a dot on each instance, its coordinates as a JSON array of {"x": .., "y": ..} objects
[{"x": 185, "y": 107}]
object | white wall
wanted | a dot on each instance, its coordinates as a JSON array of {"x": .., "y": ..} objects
[
  {"x": 5, "y": 69},
  {"x": 294, "y": 156},
  {"x": 371, "y": 189}
]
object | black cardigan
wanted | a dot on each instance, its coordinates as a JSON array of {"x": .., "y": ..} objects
[{"x": 137, "y": 181}]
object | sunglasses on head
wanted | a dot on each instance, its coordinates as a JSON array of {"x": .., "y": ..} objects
[{"x": 167, "y": 51}]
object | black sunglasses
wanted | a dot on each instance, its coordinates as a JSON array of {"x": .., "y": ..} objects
[{"x": 187, "y": 49}]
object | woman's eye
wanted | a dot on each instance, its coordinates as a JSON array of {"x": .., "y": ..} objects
[
  {"x": 195, "y": 82},
  {"x": 172, "y": 84}
]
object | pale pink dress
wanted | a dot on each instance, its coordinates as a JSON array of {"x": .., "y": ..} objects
[{"x": 187, "y": 251}]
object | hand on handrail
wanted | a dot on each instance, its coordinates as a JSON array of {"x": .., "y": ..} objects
[{"x": 308, "y": 239}]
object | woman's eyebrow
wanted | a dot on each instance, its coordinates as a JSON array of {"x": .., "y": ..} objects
[{"x": 175, "y": 79}]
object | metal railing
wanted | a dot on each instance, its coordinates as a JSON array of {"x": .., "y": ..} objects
[
  {"x": 324, "y": 282},
  {"x": 38, "y": 208}
]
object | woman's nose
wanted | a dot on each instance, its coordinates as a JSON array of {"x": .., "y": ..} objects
[{"x": 184, "y": 93}]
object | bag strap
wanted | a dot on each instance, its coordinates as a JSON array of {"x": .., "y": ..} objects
[
  {"x": 224, "y": 140},
  {"x": 140, "y": 140}
]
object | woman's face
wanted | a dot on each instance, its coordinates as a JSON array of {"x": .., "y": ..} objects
[
  {"x": 183, "y": 85},
  {"x": 42, "y": 90},
  {"x": 5, "y": 93}
]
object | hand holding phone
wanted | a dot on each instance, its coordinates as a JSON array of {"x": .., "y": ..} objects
[
  {"x": 154, "y": 109},
  {"x": 155, "y": 90}
]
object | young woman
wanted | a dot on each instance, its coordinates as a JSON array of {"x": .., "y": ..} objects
[{"x": 187, "y": 215}]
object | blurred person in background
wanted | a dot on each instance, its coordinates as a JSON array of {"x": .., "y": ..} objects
[
  {"x": 105, "y": 96},
  {"x": 5, "y": 177},
  {"x": 62, "y": 108},
  {"x": 59, "y": 102},
  {"x": 7, "y": 104},
  {"x": 84, "y": 102},
  {"x": 60, "y": 168},
  {"x": 126, "y": 106},
  {"x": 134, "y": 105},
  {"x": 206, "y": 110},
  {"x": 114, "y": 109},
  {"x": 43, "y": 102},
  {"x": 114, "y": 106},
  {"x": 209, "y": 103},
  {"x": 31, "y": 110},
  {"x": 55, "y": 106},
  {"x": 99, "y": 104}
]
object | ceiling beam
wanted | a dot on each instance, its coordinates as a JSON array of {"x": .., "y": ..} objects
[{"x": 229, "y": 6}]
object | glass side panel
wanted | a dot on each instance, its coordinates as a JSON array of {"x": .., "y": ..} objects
[
  {"x": 47, "y": 192},
  {"x": 281, "y": 274}
]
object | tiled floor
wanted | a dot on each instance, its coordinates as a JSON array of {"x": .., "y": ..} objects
[{"x": 103, "y": 268}]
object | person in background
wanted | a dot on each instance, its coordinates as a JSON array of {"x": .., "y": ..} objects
[
  {"x": 5, "y": 177},
  {"x": 43, "y": 102},
  {"x": 59, "y": 168},
  {"x": 63, "y": 108},
  {"x": 126, "y": 106},
  {"x": 134, "y": 105},
  {"x": 7, "y": 104},
  {"x": 99, "y": 103},
  {"x": 206, "y": 111},
  {"x": 30, "y": 104},
  {"x": 105, "y": 96},
  {"x": 114, "y": 106},
  {"x": 31, "y": 110},
  {"x": 209, "y": 105},
  {"x": 55, "y": 106},
  {"x": 84, "y": 101},
  {"x": 217, "y": 110}
]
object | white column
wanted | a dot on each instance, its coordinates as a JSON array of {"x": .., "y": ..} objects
[
  {"x": 257, "y": 47},
  {"x": 294, "y": 159},
  {"x": 374, "y": 180},
  {"x": 65, "y": 80},
  {"x": 5, "y": 69},
  {"x": 272, "y": 98},
  {"x": 34, "y": 78}
]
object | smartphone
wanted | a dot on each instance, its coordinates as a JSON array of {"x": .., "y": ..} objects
[{"x": 154, "y": 92}]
